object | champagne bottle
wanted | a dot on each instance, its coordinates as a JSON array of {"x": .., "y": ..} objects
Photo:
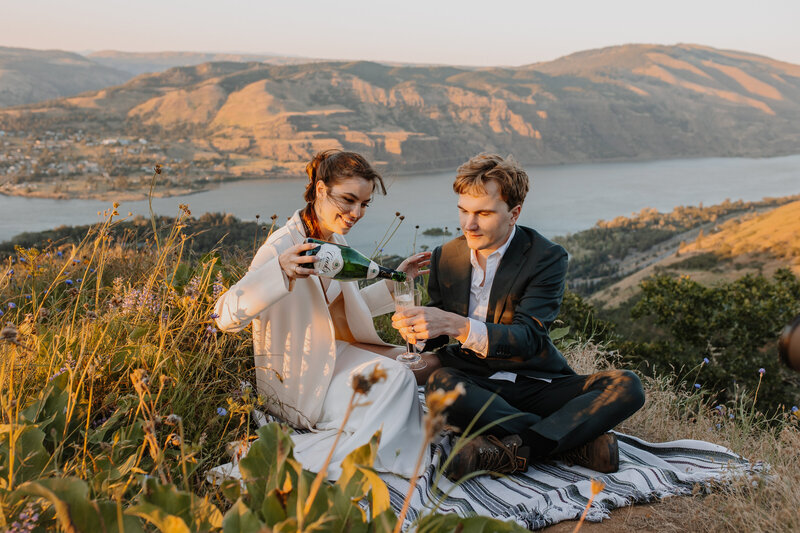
[{"x": 346, "y": 264}]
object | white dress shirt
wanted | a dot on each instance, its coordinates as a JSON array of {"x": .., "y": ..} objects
[{"x": 480, "y": 290}]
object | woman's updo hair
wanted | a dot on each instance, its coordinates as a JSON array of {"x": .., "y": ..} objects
[{"x": 330, "y": 167}]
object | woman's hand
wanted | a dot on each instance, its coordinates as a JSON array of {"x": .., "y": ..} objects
[
  {"x": 415, "y": 265},
  {"x": 294, "y": 265}
]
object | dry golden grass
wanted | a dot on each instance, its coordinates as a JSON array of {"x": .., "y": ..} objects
[{"x": 754, "y": 503}]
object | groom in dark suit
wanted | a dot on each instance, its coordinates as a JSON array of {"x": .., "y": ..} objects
[{"x": 497, "y": 290}]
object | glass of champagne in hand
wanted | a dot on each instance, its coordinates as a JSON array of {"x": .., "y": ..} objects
[{"x": 405, "y": 297}]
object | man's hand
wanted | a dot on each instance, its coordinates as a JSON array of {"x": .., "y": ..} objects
[{"x": 422, "y": 323}]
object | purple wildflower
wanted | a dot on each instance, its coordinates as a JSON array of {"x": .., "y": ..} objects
[
  {"x": 59, "y": 253},
  {"x": 12, "y": 305},
  {"x": 68, "y": 282},
  {"x": 214, "y": 315},
  {"x": 696, "y": 385},
  {"x": 221, "y": 411},
  {"x": 79, "y": 280},
  {"x": 705, "y": 360},
  {"x": 217, "y": 286},
  {"x": 794, "y": 409},
  {"x": 761, "y": 371},
  {"x": 211, "y": 330}
]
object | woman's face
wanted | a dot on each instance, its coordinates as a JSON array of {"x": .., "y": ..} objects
[{"x": 341, "y": 205}]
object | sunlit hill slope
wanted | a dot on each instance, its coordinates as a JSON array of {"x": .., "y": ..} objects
[{"x": 626, "y": 102}]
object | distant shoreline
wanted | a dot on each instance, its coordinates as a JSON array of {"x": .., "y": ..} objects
[{"x": 137, "y": 195}]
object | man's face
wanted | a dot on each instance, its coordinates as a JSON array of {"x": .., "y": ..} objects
[{"x": 486, "y": 219}]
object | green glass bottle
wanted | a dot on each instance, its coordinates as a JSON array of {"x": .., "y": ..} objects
[{"x": 346, "y": 264}]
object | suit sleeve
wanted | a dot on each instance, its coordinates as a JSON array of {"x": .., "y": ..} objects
[
  {"x": 262, "y": 286},
  {"x": 527, "y": 335},
  {"x": 435, "y": 295}
]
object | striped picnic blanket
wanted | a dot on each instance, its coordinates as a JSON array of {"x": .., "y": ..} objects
[{"x": 548, "y": 493}]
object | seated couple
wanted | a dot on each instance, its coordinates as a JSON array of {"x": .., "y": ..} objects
[{"x": 496, "y": 290}]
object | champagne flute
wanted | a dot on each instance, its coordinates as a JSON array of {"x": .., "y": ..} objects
[{"x": 405, "y": 297}]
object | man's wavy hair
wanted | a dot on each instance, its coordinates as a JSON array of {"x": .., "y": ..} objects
[{"x": 472, "y": 176}]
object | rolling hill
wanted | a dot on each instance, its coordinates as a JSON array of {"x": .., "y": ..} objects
[
  {"x": 137, "y": 63},
  {"x": 28, "y": 76},
  {"x": 620, "y": 103}
]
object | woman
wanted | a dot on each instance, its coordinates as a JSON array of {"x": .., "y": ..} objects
[{"x": 310, "y": 333}]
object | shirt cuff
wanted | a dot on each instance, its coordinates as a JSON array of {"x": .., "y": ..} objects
[{"x": 477, "y": 338}]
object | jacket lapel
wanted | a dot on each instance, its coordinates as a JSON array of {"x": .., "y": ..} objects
[
  {"x": 458, "y": 278},
  {"x": 510, "y": 266}
]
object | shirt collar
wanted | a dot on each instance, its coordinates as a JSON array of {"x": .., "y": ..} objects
[{"x": 499, "y": 252}]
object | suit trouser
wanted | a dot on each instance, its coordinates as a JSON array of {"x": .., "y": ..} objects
[{"x": 550, "y": 417}]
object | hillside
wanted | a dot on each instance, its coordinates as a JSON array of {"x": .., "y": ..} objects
[
  {"x": 137, "y": 63},
  {"x": 28, "y": 76},
  {"x": 759, "y": 241},
  {"x": 628, "y": 102}
]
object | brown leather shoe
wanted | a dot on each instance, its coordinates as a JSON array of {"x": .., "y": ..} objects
[
  {"x": 488, "y": 453},
  {"x": 600, "y": 454}
]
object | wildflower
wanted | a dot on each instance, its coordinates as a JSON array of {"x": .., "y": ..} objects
[
  {"x": 79, "y": 280},
  {"x": 221, "y": 411},
  {"x": 211, "y": 330},
  {"x": 68, "y": 281},
  {"x": 192, "y": 289},
  {"x": 761, "y": 371},
  {"x": 173, "y": 419},
  {"x": 76, "y": 261},
  {"x": 12, "y": 305},
  {"x": 27, "y": 296},
  {"x": 794, "y": 409},
  {"x": 213, "y": 316},
  {"x": 696, "y": 385},
  {"x": 157, "y": 169},
  {"x": 60, "y": 253},
  {"x": 91, "y": 271},
  {"x": 1, "y": 312},
  {"x": 9, "y": 333},
  {"x": 363, "y": 383},
  {"x": 705, "y": 360},
  {"x": 140, "y": 380},
  {"x": 438, "y": 401},
  {"x": 28, "y": 520},
  {"x": 719, "y": 408},
  {"x": 731, "y": 416}
]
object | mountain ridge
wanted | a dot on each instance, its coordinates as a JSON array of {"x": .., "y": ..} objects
[{"x": 630, "y": 102}]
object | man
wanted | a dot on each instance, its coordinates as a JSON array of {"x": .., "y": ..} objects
[{"x": 496, "y": 290}]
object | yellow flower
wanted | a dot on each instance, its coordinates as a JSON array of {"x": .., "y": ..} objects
[
  {"x": 597, "y": 487},
  {"x": 363, "y": 383},
  {"x": 439, "y": 400}
]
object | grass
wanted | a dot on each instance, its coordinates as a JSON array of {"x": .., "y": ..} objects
[
  {"x": 674, "y": 410},
  {"x": 113, "y": 374}
]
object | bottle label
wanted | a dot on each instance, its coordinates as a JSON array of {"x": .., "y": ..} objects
[
  {"x": 373, "y": 270},
  {"x": 329, "y": 260}
]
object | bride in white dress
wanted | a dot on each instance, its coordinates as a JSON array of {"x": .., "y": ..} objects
[{"x": 311, "y": 334}]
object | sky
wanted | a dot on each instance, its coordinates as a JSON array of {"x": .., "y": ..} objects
[{"x": 465, "y": 32}]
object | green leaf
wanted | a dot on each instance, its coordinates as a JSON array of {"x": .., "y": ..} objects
[
  {"x": 166, "y": 506},
  {"x": 559, "y": 333},
  {"x": 239, "y": 519},
  {"x": 265, "y": 466},
  {"x": 30, "y": 458},
  {"x": 358, "y": 478},
  {"x": 74, "y": 510}
]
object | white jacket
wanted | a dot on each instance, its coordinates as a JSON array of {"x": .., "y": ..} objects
[{"x": 293, "y": 334}]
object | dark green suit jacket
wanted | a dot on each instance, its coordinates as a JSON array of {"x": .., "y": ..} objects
[{"x": 524, "y": 301}]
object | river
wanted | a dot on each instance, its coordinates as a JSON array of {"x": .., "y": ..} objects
[{"x": 563, "y": 199}]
